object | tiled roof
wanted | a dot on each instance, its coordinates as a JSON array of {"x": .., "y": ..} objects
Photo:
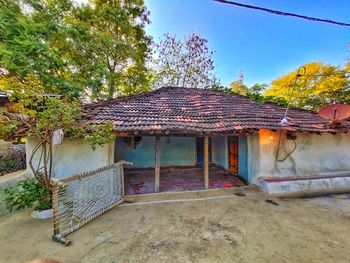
[{"x": 177, "y": 109}]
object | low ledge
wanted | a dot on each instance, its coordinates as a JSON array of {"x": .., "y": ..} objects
[
  {"x": 11, "y": 179},
  {"x": 305, "y": 186}
]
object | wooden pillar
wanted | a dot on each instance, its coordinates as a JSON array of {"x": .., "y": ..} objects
[
  {"x": 206, "y": 162},
  {"x": 157, "y": 164}
]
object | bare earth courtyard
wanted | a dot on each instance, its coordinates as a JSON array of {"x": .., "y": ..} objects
[{"x": 221, "y": 227}]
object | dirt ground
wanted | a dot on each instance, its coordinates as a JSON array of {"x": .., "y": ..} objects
[{"x": 220, "y": 228}]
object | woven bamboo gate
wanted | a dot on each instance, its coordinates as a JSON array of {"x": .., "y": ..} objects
[{"x": 80, "y": 198}]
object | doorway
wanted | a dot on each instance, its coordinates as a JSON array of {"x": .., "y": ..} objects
[
  {"x": 200, "y": 151},
  {"x": 233, "y": 152}
]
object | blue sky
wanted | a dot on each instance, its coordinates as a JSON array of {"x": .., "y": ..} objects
[{"x": 263, "y": 46}]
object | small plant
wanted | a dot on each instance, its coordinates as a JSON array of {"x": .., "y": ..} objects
[
  {"x": 27, "y": 193},
  {"x": 8, "y": 164},
  {"x": 11, "y": 164}
]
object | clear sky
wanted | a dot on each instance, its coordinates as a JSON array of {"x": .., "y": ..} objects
[{"x": 261, "y": 45}]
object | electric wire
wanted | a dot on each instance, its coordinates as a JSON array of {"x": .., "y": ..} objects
[{"x": 277, "y": 12}]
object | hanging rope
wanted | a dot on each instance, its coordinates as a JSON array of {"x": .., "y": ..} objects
[
  {"x": 289, "y": 145},
  {"x": 301, "y": 72},
  {"x": 276, "y": 12}
]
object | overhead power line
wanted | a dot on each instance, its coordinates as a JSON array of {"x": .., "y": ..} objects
[{"x": 276, "y": 12}]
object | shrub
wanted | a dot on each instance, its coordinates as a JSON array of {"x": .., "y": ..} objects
[
  {"x": 8, "y": 164},
  {"x": 12, "y": 163},
  {"x": 27, "y": 193}
]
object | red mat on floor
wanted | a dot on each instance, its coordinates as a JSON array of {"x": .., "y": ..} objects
[{"x": 142, "y": 181}]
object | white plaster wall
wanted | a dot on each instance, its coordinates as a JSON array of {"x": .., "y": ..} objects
[
  {"x": 314, "y": 155},
  {"x": 253, "y": 158},
  {"x": 74, "y": 156},
  {"x": 302, "y": 187}
]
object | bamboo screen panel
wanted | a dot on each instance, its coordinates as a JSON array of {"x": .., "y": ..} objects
[{"x": 81, "y": 198}]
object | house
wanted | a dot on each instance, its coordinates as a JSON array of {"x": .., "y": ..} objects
[{"x": 176, "y": 132}]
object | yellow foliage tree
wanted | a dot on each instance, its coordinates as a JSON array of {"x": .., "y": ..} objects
[{"x": 321, "y": 85}]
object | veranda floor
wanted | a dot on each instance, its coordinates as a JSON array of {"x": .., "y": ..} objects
[{"x": 141, "y": 181}]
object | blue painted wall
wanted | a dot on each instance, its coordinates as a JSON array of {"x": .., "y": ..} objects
[
  {"x": 221, "y": 157},
  {"x": 219, "y": 151},
  {"x": 181, "y": 151},
  {"x": 243, "y": 158},
  {"x": 175, "y": 151}
]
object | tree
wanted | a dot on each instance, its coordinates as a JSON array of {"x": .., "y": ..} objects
[
  {"x": 254, "y": 92},
  {"x": 258, "y": 87},
  {"x": 187, "y": 63},
  {"x": 32, "y": 114},
  {"x": 109, "y": 46},
  {"x": 29, "y": 49},
  {"x": 238, "y": 85},
  {"x": 240, "y": 88},
  {"x": 321, "y": 85},
  {"x": 95, "y": 50},
  {"x": 54, "y": 53}
]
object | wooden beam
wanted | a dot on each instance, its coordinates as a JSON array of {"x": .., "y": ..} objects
[
  {"x": 157, "y": 164},
  {"x": 206, "y": 162},
  {"x": 55, "y": 207},
  {"x": 180, "y": 133}
]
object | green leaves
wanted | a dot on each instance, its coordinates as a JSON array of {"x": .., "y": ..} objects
[
  {"x": 55, "y": 54},
  {"x": 7, "y": 129},
  {"x": 57, "y": 113},
  {"x": 89, "y": 50},
  {"x": 27, "y": 193},
  {"x": 28, "y": 41},
  {"x": 99, "y": 135},
  {"x": 322, "y": 85},
  {"x": 109, "y": 45}
]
